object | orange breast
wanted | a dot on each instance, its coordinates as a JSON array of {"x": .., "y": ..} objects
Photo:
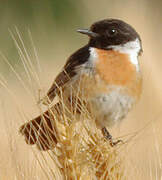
[{"x": 115, "y": 68}]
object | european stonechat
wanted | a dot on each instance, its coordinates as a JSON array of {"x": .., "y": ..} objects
[{"x": 107, "y": 73}]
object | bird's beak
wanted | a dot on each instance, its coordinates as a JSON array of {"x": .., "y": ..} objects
[{"x": 88, "y": 32}]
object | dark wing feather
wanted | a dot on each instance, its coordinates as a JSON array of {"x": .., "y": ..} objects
[{"x": 78, "y": 58}]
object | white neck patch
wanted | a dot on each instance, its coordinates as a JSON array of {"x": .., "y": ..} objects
[{"x": 132, "y": 49}]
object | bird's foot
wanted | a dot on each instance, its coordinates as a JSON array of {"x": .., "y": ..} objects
[
  {"x": 114, "y": 143},
  {"x": 108, "y": 136}
]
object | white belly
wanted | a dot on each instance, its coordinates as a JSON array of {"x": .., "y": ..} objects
[{"x": 112, "y": 107}]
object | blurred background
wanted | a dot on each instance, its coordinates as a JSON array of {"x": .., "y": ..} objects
[{"x": 48, "y": 32}]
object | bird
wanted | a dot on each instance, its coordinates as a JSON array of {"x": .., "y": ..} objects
[{"x": 108, "y": 74}]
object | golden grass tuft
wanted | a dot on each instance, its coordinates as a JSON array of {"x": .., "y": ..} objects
[
  {"x": 81, "y": 151},
  {"x": 88, "y": 156}
]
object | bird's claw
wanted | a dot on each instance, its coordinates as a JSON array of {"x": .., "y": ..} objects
[
  {"x": 114, "y": 143},
  {"x": 108, "y": 137}
]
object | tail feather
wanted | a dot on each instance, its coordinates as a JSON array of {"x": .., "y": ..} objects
[{"x": 41, "y": 130}]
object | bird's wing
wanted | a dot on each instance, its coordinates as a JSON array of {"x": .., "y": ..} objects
[{"x": 69, "y": 71}]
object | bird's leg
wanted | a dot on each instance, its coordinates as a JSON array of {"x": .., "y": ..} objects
[{"x": 108, "y": 136}]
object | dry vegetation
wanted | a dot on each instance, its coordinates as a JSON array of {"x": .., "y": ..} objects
[{"x": 81, "y": 151}]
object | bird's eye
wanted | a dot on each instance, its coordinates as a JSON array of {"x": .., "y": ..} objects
[{"x": 112, "y": 32}]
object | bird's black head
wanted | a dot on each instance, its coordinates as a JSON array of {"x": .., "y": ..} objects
[{"x": 110, "y": 32}]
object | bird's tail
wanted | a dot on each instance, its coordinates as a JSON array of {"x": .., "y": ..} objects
[{"x": 42, "y": 130}]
